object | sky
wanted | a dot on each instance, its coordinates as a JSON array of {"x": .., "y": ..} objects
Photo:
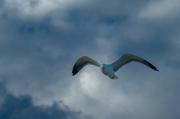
[{"x": 40, "y": 41}]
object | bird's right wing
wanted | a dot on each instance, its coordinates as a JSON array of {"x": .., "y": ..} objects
[
  {"x": 81, "y": 62},
  {"x": 126, "y": 58}
]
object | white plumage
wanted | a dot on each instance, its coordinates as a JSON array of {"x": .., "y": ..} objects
[{"x": 110, "y": 69}]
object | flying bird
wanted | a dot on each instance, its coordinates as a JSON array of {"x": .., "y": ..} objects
[{"x": 110, "y": 69}]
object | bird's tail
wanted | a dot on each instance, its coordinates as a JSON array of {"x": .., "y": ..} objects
[{"x": 114, "y": 77}]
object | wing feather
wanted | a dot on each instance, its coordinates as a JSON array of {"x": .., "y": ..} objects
[
  {"x": 126, "y": 58},
  {"x": 81, "y": 62}
]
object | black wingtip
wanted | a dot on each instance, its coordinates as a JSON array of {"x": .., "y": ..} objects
[
  {"x": 74, "y": 71},
  {"x": 152, "y": 66}
]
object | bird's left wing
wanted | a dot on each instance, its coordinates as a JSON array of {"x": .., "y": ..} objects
[
  {"x": 126, "y": 58},
  {"x": 81, "y": 62}
]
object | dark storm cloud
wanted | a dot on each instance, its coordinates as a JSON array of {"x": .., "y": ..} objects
[
  {"x": 22, "y": 107},
  {"x": 37, "y": 56}
]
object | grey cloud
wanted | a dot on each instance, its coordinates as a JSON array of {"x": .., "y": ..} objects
[
  {"x": 1, "y": 3},
  {"x": 37, "y": 56},
  {"x": 137, "y": 35},
  {"x": 22, "y": 107},
  {"x": 34, "y": 3}
]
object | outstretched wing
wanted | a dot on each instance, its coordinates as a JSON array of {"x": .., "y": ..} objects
[
  {"x": 126, "y": 58},
  {"x": 81, "y": 62}
]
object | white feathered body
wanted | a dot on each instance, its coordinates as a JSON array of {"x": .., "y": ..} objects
[{"x": 107, "y": 70}]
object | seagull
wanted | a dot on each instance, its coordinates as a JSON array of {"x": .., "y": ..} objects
[{"x": 110, "y": 69}]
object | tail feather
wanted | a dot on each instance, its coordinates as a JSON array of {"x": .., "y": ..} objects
[{"x": 114, "y": 77}]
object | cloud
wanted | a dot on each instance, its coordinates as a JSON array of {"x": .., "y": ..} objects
[
  {"x": 41, "y": 40},
  {"x": 1, "y": 3},
  {"x": 38, "y": 9},
  {"x": 158, "y": 10},
  {"x": 22, "y": 107}
]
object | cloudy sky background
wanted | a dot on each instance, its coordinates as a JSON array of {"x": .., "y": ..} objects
[{"x": 40, "y": 40}]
